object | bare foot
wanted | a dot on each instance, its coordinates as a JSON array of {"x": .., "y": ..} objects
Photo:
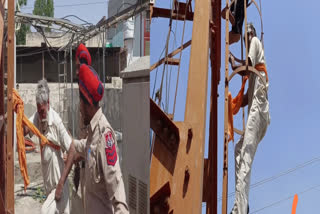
[
  {"x": 233, "y": 37},
  {"x": 231, "y": 17}
]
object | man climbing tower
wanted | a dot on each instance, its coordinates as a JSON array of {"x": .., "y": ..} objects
[{"x": 258, "y": 120}]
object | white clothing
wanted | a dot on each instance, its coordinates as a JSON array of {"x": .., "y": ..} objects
[
  {"x": 256, "y": 127},
  {"x": 256, "y": 52},
  {"x": 51, "y": 160}
]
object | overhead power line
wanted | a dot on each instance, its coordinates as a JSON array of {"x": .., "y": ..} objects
[
  {"x": 283, "y": 173},
  {"x": 285, "y": 199},
  {"x": 73, "y": 5}
]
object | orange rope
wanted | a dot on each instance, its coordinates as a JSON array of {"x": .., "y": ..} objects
[
  {"x": 234, "y": 104},
  {"x": 18, "y": 108},
  {"x": 21, "y": 121}
]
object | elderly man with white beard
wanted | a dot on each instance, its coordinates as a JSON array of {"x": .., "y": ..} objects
[{"x": 50, "y": 125}]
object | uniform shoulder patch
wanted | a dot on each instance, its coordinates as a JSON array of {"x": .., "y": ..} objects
[{"x": 111, "y": 152}]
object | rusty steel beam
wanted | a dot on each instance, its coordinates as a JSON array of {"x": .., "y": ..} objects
[
  {"x": 225, "y": 140},
  {"x": 172, "y": 61},
  {"x": 215, "y": 59},
  {"x": 177, "y": 14},
  {"x": 184, "y": 171},
  {"x": 2, "y": 151},
  {"x": 2, "y": 208},
  {"x": 172, "y": 54},
  {"x": 9, "y": 156},
  {"x": 164, "y": 128},
  {"x": 159, "y": 201},
  {"x": 206, "y": 181},
  {"x": 195, "y": 112}
]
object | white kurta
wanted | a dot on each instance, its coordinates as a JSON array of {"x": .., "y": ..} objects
[
  {"x": 256, "y": 127},
  {"x": 52, "y": 162}
]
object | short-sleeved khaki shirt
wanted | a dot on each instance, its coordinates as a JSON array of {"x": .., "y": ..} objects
[{"x": 104, "y": 188}]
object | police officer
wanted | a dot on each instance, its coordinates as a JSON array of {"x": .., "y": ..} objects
[
  {"x": 82, "y": 56},
  {"x": 104, "y": 187}
]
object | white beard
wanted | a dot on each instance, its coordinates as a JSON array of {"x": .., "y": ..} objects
[{"x": 44, "y": 127}]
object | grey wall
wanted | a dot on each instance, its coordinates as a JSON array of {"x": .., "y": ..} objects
[
  {"x": 116, "y": 6},
  {"x": 110, "y": 106},
  {"x": 29, "y": 67},
  {"x": 27, "y": 91},
  {"x": 111, "y": 103},
  {"x": 136, "y": 147}
]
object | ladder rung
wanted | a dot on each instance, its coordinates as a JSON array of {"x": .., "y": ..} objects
[
  {"x": 62, "y": 75},
  {"x": 172, "y": 61}
]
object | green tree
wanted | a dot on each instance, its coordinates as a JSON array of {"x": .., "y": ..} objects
[
  {"x": 24, "y": 28},
  {"x": 44, "y": 8}
]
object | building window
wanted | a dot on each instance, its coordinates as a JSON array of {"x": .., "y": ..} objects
[
  {"x": 147, "y": 48},
  {"x": 147, "y": 25}
]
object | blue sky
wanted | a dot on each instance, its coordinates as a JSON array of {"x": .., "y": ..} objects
[
  {"x": 291, "y": 49},
  {"x": 91, "y": 11}
]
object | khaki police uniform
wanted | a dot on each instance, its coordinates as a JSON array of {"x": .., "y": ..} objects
[{"x": 104, "y": 187}]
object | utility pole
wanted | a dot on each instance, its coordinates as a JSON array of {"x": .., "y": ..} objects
[
  {"x": 72, "y": 110},
  {"x": 2, "y": 148},
  {"x": 43, "y": 45},
  {"x": 9, "y": 154}
]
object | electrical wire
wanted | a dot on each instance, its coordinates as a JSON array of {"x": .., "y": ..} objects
[
  {"x": 88, "y": 23},
  {"x": 48, "y": 45},
  {"x": 81, "y": 33},
  {"x": 285, "y": 199},
  {"x": 166, "y": 54},
  {"x": 73, "y": 5},
  {"x": 173, "y": 47},
  {"x": 281, "y": 174},
  {"x": 155, "y": 79},
  {"x": 180, "y": 55}
]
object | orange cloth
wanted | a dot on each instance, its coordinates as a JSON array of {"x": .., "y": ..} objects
[
  {"x": 234, "y": 104},
  {"x": 18, "y": 108},
  {"x": 262, "y": 67},
  {"x": 21, "y": 121}
]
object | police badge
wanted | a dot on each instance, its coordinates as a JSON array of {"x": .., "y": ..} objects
[{"x": 111, "y": 153}]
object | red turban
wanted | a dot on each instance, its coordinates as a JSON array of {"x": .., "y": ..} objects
[
  {"x": 89, "y": 84},
  {"x": 83, "y": 53}
]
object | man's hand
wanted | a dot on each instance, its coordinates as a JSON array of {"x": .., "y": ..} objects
[
  {"x": 26, "y": 130},
  {"x": 58, "y": 191},
  {"x": 231, "y": 58},
  {"x": 65, "y": 156},
  {"x": 65, "y": 172},
  {"x": 232, "y": 61}
]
